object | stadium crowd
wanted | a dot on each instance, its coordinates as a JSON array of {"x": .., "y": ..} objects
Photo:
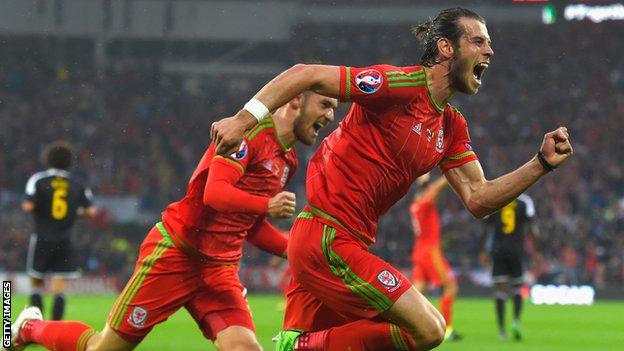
[{"x": 141, "y": 132}]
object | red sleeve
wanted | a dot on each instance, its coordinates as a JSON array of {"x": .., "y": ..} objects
[
  {"x": 266, "y": 237},
  {"x": 460, "y": 150},
  {"x": 380, "y": 85},
  {"x": 221, "y": 193}
]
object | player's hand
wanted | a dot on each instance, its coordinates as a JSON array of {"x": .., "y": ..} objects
[
  {"x": 282, "y": 205},
  {"x": 556, "y": 146},
  {"x": 227, "y": 134}
]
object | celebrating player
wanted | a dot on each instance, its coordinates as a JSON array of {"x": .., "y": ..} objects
[
  {"x": 429, "y": 263},
  {"x": 505, "y": 232},
  {"x": 190, "y": 259},
  {"x": 399, "y": 127},
  {"x": 56, "y": 199}
]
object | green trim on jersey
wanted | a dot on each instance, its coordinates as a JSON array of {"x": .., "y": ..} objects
[
  {"x": 416, "y": 78},
  {"x": 131, "y": 289},
  {"x": 341, "y": 269},
  {"x": 435, "y": 103},
  {"x": 265, "y": 123},
  {"x": 234, "y": 162},
  {"x": 407, "y": 84},
  {"x": 415, "y": 73},
  {"x": 459, "y": 156},
  {"x": 397, "y": 338},
  {"x": 348, "y": 83},
  {"x": 165, "y": 234},
  {"x": 305, "y": 214},
  {"x": 320, "y": 213}
]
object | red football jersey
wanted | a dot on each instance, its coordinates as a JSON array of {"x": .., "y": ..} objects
[
  {"x": 267, "y": 166},
  {"x": 426, "y": 223},
  {"x": 393, "y": 134}
]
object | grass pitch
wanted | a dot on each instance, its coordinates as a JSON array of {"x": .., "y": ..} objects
[{"x": 546, "y": 328}]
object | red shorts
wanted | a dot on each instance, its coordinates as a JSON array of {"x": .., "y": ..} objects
[
  {"x": 431, "y": 267},
  {"x": 166, "y": 279},
  {"x": 336, "y": 280}
]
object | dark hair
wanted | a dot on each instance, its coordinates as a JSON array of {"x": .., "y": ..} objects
[
  {"x": 444, "y": 25},
  {"x": 59, "y": 155}
]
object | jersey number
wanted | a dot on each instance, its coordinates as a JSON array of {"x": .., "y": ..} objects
[
  {"x": 59, "y": 203},
  {"x": 508, "y": 218}
]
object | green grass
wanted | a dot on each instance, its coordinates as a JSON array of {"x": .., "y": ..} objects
[{"x": 546, "y": 328}]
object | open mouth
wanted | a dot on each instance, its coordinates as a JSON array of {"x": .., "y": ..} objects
[
  {"x": 478, "y": 70},
  {"x": 317, "y": 126}
]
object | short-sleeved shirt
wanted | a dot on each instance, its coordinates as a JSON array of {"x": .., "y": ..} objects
[
  {"x": 394, "y": 133},
  {"x": 266, "y": 165},
  {"x": 57, "y": 196},
  {"x": 508, "y": 224}
]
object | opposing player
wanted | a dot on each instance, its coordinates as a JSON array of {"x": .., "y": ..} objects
[
  {"x": 190, "y": 259},
  {"x": 399, "y": 127},
  {"x": 429, "y": 264},
  {"x": 504, "y": 231},
  {"x": 55, "y": 198}
]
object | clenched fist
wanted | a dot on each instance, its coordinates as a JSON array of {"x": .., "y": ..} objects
[
  {"x": 556, "y": 146},
  {"x": 282, "y": 205},
  {"x": 227, "y": 134}
]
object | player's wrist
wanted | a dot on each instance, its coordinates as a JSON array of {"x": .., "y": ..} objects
[
  {"x": 257, "y": 109},
  {"x": 246, "y": 119},
  {"x": 548, "y": 167}
]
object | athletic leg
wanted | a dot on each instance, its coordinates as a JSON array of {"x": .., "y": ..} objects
[
  {"x": 443, "y": 275},
  {"x": 500, "y": 295},
  {"x": 36, "y": 295},
  {"x": 70, "y": 336},
  {"x": 37, "y": 263},
  {"x": 162, "y": 282},
  {"x": 340, "y": 276},
  {"x": 221, "y": 310},
  {"x": 58, "y": 306},
  {"x": 237, "y": 338}
]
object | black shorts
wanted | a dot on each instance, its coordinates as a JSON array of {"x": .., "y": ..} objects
[
  {"x": 507, "y": 266},
  {"x": 53, "y": 258}
]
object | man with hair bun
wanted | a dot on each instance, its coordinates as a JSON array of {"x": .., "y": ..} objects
[{"x": 400, "y": 126}]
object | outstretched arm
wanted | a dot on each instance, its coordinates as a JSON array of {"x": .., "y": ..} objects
[
  {"x": 227, "y": 133},
  {"x": 482, "y": 197}
]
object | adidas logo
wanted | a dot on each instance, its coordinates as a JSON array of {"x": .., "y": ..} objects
[{"x": 417, "y": 128}]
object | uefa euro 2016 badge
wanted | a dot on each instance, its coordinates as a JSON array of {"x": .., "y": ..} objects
[
  {"x": 242, "y": 152},
  {"x": 368, "y": 81},
  {"x": 137, "y": 317}
]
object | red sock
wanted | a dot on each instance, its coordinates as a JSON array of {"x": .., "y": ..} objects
[
  {"x": 446, "y": 308},
  {"x": 57, "y": 335},
  {"x": 362, "y": 335}
]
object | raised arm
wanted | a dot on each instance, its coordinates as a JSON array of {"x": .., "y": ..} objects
[
  {"x": 482, "y": 197},
  {"x": 227, "y": 134}
]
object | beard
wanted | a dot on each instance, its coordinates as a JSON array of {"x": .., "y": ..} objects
[{"x": 459, "y": 75}]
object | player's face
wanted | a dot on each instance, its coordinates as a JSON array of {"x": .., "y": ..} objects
[
  {"x": 472, "y": 57},
  {"x": 316, "y": 112}
]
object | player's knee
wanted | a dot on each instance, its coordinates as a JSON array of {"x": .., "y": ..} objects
[
  {"x": 246, "y": 346},
  {"x": 238, "y": 345}
]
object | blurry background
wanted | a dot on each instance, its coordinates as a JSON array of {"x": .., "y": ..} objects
[{"x": 135, "y": 85}]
